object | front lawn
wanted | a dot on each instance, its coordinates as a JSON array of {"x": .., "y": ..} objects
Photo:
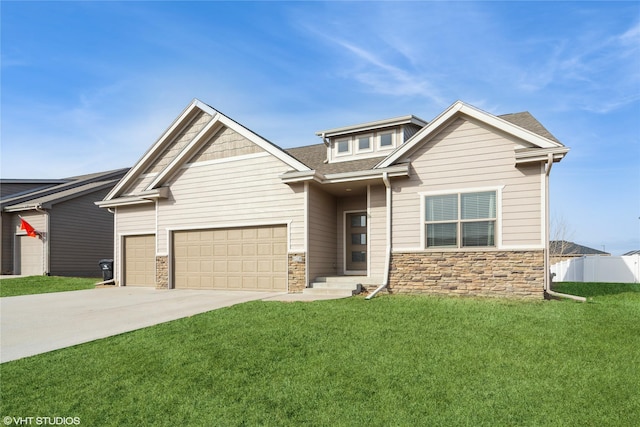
[
  {"x": 394, "y": 360},
  {"x": 10, "y": 287}
]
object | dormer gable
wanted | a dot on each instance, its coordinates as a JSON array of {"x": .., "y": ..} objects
[{"x": 369, "y": 140}]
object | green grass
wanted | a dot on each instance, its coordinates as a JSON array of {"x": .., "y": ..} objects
[
  {"x": 595, "y": 289},
  {"x": 10, "y": 287},
  {"x": 394, "y": 360}
]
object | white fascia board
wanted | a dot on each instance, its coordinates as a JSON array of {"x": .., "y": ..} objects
[
  {"x": 263, "y": 143},
  {"x": 122, "y": 201},
  {"x": 363, "y": 127},
  {"x": 540, "y": 155},
  {"x": 460, "y": 108},
  {"x": 150, "y": 154},
  {"x": 334, "y": 178},
  {"x": 301, "y": 176},
  {"x": 144, "y": 197},
  {"x": 184, "y": 155}
]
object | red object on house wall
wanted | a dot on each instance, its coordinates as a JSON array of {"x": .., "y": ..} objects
[{"x": 31, "y": 232}]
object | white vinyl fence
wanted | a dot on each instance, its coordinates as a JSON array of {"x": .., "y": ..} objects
[{"x": 597, "y": 268}]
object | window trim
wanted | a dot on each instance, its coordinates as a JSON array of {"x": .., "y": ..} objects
[
  {"x": 459, "y": 247},
  {"x": 379, "y": 145},
  {"x": 349, "y": 146},
  {"x": 357, "y": 143}
]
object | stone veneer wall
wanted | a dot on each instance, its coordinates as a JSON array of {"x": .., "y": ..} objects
[
  {"x": 162, "y": 272},
  {"x": 515, "y": 274},
  {"x": 297, "y": 272}
]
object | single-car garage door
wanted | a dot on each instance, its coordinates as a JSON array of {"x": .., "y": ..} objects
[
  {"x": 29, "y": 256},
  {"x": 248, "y": 258},
  {"x": 140, "y": 260}
]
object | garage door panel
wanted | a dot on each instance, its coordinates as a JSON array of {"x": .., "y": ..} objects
[
  {"x": 235, "y": 258},
  {"x": 139, "y": 260},
  {"x": 30, "y": 255}
]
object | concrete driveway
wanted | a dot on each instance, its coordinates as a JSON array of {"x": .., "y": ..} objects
[{"x": 34, "y": 324}]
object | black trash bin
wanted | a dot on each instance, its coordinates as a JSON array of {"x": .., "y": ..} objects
[{"x": 106, "y": 265}]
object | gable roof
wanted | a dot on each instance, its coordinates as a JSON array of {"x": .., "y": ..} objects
[
  {"x": 69, "y": 188},
  {"x": 563, "y": 247},
  {"x": 518, "y": 125},
  {"x": 216, "y": 121}
]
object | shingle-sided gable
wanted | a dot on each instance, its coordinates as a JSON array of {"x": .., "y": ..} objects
[{"x": 200, "y": 133}]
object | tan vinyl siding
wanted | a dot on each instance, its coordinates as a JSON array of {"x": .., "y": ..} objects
[
  {"x": 81, "y": 235},
  {"x": 232, "y": 194},
  {"x": 377, "y": 231},
  {"x": 467, "y": 155},
  {"x": 323, "y": 224}
]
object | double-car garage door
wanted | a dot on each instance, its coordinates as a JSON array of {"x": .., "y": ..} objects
[{"x": 248, "y": 258}]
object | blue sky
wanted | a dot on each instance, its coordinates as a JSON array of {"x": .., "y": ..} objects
[{"x": 89, "y": 86}]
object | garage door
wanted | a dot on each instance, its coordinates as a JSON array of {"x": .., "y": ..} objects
[
  {"x": 251, "y": 258},
  {"x": 30, "y": 256},
  {"x": 140, "y": 260}
]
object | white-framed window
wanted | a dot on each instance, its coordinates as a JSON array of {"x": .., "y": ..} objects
[
  {"x": 460, "y": 220},
  {"x": 364, "y": 143},
  {"x": 386, "y": 140},
  {"x": 343, "y": 147}
]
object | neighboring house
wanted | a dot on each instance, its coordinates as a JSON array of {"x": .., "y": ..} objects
[
  {"x": 74, "y": 234},
  {"x": 562, "y": 249},
  {"x": 454, "y": 206}
]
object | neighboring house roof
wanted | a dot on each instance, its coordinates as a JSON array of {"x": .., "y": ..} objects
[
  {"x": 565, "y": 248},
  {"x": 69, "y": 188},
  {"x": 631, "y": 253}
]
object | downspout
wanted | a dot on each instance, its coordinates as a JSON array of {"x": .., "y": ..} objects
[
  {"x": 45, "y": 239},
  {"x": 385, "y": 279},
  {"x": 116, "y": 258},
  {"x": 547, "y": 272}
]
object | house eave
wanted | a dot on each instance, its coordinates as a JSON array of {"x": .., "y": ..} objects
[
  {"x": 536, "y": 155},
  {"x": 149, "y": 196},
  {"x": 364, "y": 127},
  {"x": 335, "y": 178}
]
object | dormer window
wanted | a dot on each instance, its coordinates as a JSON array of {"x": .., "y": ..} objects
[
  {"x": 364, "y": 143},
  {"x": 369, "y": 140},
  {"x": 385, "y": 140},
  {"x": 343, "y": 147}
]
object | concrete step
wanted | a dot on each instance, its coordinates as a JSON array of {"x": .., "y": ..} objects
[
  {"x": 340, "y": 279},
  {"x": 329, "y": 291},
  {"x": 339, "y": 286}
]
